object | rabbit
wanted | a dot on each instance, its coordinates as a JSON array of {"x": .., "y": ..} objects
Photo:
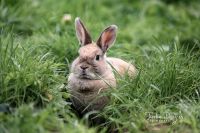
[{"x": 92, "y": 72}]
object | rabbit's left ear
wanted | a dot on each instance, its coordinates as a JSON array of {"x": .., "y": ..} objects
[
  {"x": 107, "y": 37},
  {"x": 82, "y": 33}
]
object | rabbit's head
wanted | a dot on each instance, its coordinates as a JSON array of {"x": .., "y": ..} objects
[{"x": 91, "y": 63}]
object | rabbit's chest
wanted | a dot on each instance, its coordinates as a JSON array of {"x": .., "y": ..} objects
[{"x": 86, "y": 93}]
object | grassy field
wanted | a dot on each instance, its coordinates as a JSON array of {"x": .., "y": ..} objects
[{"x": 161, "y": 37}]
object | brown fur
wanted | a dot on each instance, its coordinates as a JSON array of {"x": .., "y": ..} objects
[{"x": 91, "y": 75}]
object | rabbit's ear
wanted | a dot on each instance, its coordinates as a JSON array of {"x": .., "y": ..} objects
[
  {"x": 107, "y": 37},
  {"x": 81, "y": 33}
]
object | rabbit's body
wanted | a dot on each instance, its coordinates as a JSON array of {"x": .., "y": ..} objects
[
  {"x": 92, "y": 72},
  {"x": 121, "y": 66},
  {"x": 86, "y": 91}
]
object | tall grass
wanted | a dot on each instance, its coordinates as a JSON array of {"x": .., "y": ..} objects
[
  {"x": 167, "y": 79},
  {"x": 25, "y": 76},
  {"x": 160, "y": 37}
]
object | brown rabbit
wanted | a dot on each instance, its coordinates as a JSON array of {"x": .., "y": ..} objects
[{"x": 92, "y": 72}]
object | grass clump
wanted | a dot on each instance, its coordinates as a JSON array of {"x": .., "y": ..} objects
[
  {"x": 167, "y": 79},
  {"x": 26, "y": 77}
]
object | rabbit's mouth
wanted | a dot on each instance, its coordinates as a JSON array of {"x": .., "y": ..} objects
[
  {"x": 90, "y": 76},
  {"x": 84, "y": 76}
]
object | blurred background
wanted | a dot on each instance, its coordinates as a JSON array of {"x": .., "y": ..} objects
[
  {"x": 38, "y": 44},
  {"x": 140, "y": 22}
]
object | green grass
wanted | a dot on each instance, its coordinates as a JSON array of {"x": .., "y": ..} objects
[{"x": 161, "y": 37}]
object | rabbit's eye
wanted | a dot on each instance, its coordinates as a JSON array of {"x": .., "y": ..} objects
[{"x": 97, "y": 57}]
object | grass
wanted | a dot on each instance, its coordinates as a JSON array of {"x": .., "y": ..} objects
[{"x": 161, "y": 37}]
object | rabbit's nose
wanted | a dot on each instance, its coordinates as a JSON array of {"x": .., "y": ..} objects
[{"x": 84, "y": 67}]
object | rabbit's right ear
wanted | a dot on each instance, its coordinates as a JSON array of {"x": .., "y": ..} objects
[{"x": 81, "y": 33}]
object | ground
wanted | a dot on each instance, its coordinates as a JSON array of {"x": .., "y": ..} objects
[{"x": 38, "y": 43}]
